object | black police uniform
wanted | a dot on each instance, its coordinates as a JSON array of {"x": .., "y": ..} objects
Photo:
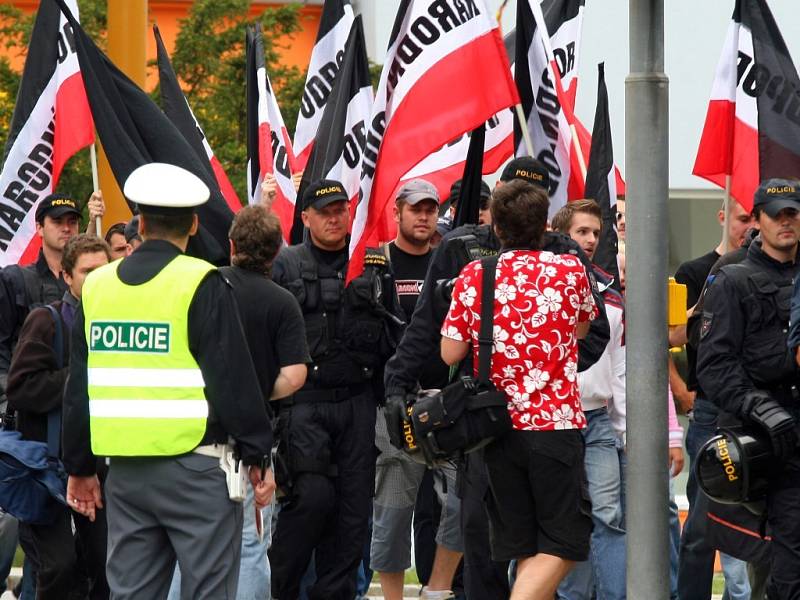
[
  {"x": 696, "y": 553},
  {"x": 483, "y": 578},
  {"x": 23, "y": 288},
  {"x": 743, "y": 350},
  {"x": 327, "y": 430}
]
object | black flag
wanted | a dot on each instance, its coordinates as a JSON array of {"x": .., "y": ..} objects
[
  {"x": 177, "y": 108},
  {"x": 601, "y": 181},
  {"x": 134, "y": 132},
  {"x": 469, "y": 197}
]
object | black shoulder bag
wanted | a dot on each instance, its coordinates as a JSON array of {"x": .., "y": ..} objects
[{"x": 468, "y": 414}]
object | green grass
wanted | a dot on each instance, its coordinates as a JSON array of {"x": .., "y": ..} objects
[
  {"x": 19, "y": 556},
  {"x": 410, "y": 578},
  {"x": 719, "y": 584}
]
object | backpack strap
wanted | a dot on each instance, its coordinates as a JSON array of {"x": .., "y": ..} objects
[
  {"x": 54, "y": 416},
  {"x": 486, "y": 334}
]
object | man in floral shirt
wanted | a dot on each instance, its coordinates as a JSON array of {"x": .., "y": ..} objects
[{"x": 537, "y": 503}]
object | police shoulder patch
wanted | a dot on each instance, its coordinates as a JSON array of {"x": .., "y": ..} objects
[
  {"x": 375, "y": 258},
  {"x": 705, "y": 325}
]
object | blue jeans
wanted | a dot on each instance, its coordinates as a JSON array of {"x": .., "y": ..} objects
[
  {"x": 254, "y": 572},
  {"x": 674, "y": 541},
  {"x": 8, "y": 546},
  {"x": 605, "y": 569},
  {"x": 696, "y": 557}
]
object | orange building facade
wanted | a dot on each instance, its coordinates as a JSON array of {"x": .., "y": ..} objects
[{"x": 167, "y": 14}]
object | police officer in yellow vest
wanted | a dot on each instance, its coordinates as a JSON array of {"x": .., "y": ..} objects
[{"x": 161, "y": 381}]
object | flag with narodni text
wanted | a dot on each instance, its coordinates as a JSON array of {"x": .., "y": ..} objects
[
  {"x": 546, "y": 104},
  {"x": 335, "y": 26},
  {"x": 338, "y": 146},
  {"x": 445, "y": 73},
  {"x": 50, "y": 123},
  {"x": 134, "y": 131},
  {"x": 752, "y": 127},
  {"x": 601, "y": 181},
  {"x": 269, "y": 149},
  {"x": 176, "y": 107}
]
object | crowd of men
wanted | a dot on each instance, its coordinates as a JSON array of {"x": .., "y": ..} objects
[{"x": 241, "y": 431}]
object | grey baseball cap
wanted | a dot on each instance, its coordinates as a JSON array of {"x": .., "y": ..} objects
[{"x": 416, "y": 191}]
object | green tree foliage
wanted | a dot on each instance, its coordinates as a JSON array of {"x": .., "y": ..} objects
[{"x": 209, "y": 58}]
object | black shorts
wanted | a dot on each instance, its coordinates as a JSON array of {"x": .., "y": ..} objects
[{"x": 538, "y": 499}]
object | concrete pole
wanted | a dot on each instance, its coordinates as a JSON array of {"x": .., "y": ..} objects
[
  {"x": 127, "y": 44},
  {"x": 646, "y": 152}
]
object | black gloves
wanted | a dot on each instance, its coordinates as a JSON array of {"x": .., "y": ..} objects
[
  {"x": 395, "y": 413},
  {"x": 760, "y": 409}
]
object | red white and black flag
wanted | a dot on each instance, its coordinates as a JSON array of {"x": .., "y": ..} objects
[
  {"x": 752, "y": 128},
  {"x": 546, "y": 76},
  {"x": 445, "y": 73},
  {"x": 326, "y": 58},
  {"x": 51, "y": 122},
  {"x": 338, "y": 147},
  {"x": 134, "y": 131},
  {"x": 176, "y": 107},
  {"x": 601, "y": 180},
  {"x": 269, "y": 149}
]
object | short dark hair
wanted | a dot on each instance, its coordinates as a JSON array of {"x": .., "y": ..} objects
[
  {"x": 115, "y": 228},
  {"x": 160, "y": 225},
  {"x": 562, "y": 220},
  {"x": 257, "y": 238},
  {"x": 81, "y": 244},
  {"x": 519, "y": 214}
]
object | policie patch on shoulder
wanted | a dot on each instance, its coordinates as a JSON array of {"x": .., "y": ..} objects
[
  {"x": 705, "y": 325},
  {"x": 374, "y": 260}
]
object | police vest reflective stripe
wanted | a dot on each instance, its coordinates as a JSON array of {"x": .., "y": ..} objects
[{"x": 146, "y": 391}]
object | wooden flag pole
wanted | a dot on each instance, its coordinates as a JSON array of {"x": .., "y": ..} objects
[
  {"x": 576, "y": 143},
  {"x": 95, "y": 185},
  {"x": 523, "y": 125}
]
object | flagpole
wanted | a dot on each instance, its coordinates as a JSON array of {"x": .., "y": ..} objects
[
  {"x": 523, "y": 125},
  {"x": 95, "y": 185},
  {"x": 579, "y": 151},
  {"x": 726, "y": 208}
]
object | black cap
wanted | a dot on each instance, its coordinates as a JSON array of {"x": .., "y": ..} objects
[
  {"x": 773, "y": 195},
  {"x": 528, "y": 169},
  {"x": 56, "y": 205},
  {"x": 455, "y": 192},
  {"x": 132, "y": 230},
  {"x": 323, "y": 192}
]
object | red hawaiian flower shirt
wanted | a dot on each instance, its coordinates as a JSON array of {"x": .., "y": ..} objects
[{"x": 539, "y": 299}]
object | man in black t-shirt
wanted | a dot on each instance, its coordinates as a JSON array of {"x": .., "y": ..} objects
[
  {"x": 276, "y": 336},
  {"x": 397, "y": 477}
]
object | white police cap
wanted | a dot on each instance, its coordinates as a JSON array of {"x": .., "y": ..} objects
[{"x": 164, "y": 186}]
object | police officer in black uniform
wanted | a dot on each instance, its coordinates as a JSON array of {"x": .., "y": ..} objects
[
  {"x": 745, "y": 366},
  {"x": 327, "y": 429},
  {"x": 482, "y": 578}
]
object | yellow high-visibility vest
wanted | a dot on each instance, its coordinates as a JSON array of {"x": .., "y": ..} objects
[{"x": 146, "y": 391}]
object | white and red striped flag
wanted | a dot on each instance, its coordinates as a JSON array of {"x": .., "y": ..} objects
[
  {"x": 445, "y": 73},
  {"x": 326, "y": 59},
  {"x": 752, "y": 128},
  {"x": 269, "y": 149},
  {"x": 176, "y": 107},
  {"x": 51, "y": 122}
]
